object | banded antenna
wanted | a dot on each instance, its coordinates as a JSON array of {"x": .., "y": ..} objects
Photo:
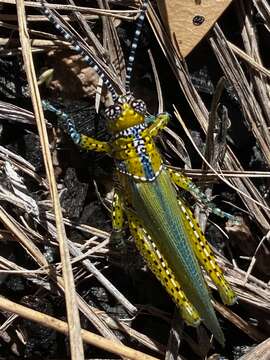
[
  {"x": 134, "y": 44},
  {"x": 80, "y": 46}
]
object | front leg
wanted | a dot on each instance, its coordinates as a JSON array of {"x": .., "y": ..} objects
[
  {"x": 85, "y": 142},
  {"x": 159, "y": 266},
  {"x": 158, "y": 124},
  {"x": 182, "y": 181}
]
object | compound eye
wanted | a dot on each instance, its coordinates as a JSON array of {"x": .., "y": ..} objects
[
  {"x": 113, "y": 112},
  {"x": 139, "y": 106}
]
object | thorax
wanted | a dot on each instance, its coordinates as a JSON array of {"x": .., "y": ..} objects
[{"x": 135, "y": 153}]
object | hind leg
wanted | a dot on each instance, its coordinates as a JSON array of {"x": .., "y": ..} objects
[
  {"x": 205, "y": 255},
  {"x": 159, "y": 266}
]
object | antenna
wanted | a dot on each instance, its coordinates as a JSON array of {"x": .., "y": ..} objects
[
  {"x": 134, "y": 44},
  {"x": 79, "y": 47}
]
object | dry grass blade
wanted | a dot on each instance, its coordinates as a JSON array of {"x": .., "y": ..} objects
[
  {"x": 61, "y": 326},
  {"x": 30, "y": 247},
  {"x": 87, "y": 29},
  {"x": 174, "y": 341},
  {"x": 113, "y": 13},
  {"x": 104, "y": 281},
  {"x": 70, "y": 293},
  {"x": 92, "y": 269},
  {"x": 112, "y": 44},
  {"x": 15, "y": 113},
  {"x": 6, "y": 154},
  {"x": 253, "y": 259},
  {"x": 250, "y": 330},
  {"x": 263, "y": 8},
  {"x": 227, "y": 173},
  {"x": 89, "y": 313},
  {"x": 255, "y": 292},
  {"x": 136, "y": 335},
  {"x": 82, "y": 227},
  {"x": 260, "y": 352},
  {"x": 157, "y": 82},
  {"x": 244, "y": 194},
  {"x": 215, "y": 152},
  {"x": 228, "y": 62},
  {"x": 254, "y": 64},
  {"x": 249, "y": 102},
  {"x": 41, "y": 18},
  {"x": 251, "y": 44}
]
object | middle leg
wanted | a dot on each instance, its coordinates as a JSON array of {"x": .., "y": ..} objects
[{"x": 182, "y": 181}]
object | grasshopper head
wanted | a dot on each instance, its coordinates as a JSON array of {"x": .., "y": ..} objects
[{"x": 125, "y": 113}]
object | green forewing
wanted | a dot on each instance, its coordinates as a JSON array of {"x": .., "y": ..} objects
[{"x": 156, "y": 206}]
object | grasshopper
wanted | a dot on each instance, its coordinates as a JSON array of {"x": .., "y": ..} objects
[{"x": 145, "y": 199}]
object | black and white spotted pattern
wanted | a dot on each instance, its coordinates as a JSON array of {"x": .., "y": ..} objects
[
  {"x": 139, "y": 106},
  {"x": 78, "y": 48},
  {"x": 131, "y": 131},
  {"x": 138, "y": 142},
  {"x": 134, "y": 44},
  {"x": 113, "y": 112}
]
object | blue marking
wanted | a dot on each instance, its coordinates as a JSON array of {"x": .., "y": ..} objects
[
  {"x": 71, "y": 129},
  {"x": 143, "y": 156}
]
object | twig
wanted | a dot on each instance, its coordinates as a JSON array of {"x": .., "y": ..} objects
[
  {"x": 76, "y": 345},
  {"x": 61, "y": 326},
  {"x": 250, "y": 330}
]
